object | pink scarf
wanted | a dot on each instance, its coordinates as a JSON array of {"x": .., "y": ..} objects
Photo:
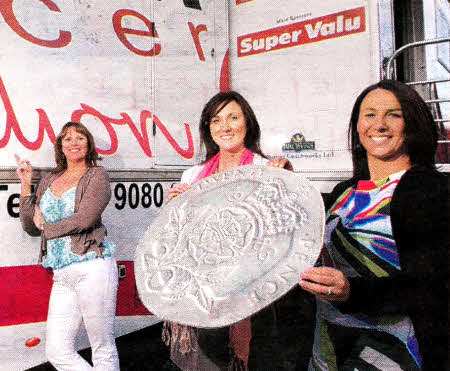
[
  {"x": 241, "y": 332},
  {"x": 211, "y": 166}
]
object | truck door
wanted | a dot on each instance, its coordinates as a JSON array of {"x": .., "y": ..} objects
[
  {"x": 301, "y": 64},
  {"x": 186, "y": 74}
]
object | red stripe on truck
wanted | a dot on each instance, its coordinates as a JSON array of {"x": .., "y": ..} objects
[
  {"x": 25, "y": 292},
  {"x": 128, "y": 302}
]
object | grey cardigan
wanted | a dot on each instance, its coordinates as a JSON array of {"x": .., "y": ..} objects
[{"x": 85, "y": 225}]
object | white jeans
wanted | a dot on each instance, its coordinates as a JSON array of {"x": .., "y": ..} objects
[{"x": 85, "y": 292}]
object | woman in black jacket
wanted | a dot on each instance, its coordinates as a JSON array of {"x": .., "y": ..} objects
[{"x": 382, "y": 281}]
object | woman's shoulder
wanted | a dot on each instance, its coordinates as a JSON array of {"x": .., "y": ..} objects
[
  {"x": 47, "y": 179},
  {"x": 342, "y": 187},
  {"x": 425, "y": 172},
  {"x": 421, "y": 191},
  {"x": 330, "y": 198},
  {"x": 423, "y": 179},
  {"x": 96, "y": 176},
  {"x": 97, "y": 172}
]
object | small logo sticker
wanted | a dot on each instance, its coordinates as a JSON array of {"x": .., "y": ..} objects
[{"x": 298, "y": 143}]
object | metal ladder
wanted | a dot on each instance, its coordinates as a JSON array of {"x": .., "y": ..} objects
[{"x": 441, "y": 117}]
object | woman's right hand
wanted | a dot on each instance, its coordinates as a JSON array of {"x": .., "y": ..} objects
[
  {"x": 281, "y": 163},
  {"x": 177, "y": 190},
  {"x": 24, "y": 170}
]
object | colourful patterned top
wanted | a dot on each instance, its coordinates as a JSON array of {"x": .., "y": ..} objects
[
  {"x": 59, "y": 253},
  {"x": 359, "y": 242}
]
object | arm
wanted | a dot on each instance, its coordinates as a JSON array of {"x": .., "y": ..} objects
[
  {"x": 27, "y": 199},
  {"x": 397, "y": 293},
  {"x": 27, "y": 205},
  {"x": 94, "y": 200}
]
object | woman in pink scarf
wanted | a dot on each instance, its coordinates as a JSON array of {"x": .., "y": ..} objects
[{"x": 230, "y": 133}]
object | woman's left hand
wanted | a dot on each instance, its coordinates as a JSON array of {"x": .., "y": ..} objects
[
  {"x": 281, "y": 162},
  {"x": 327, "y": 283},
  {"x": 177, "y": 190},
  {"x": 38, "y": 219}
]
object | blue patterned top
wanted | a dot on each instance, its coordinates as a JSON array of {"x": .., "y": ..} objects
[{"x": 59, "y": 252}]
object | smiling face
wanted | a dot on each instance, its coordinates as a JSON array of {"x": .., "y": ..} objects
[
  {"x": 381, "y": 127},
  {"x": 74, "y": 146},
  {"x": 228, "y": 128}
]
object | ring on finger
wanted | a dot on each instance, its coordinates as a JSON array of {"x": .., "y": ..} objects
[{"x": 329, "y": 292}]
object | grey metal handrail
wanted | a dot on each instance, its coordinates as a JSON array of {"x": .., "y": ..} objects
[
  {"x": 431, "y": 82},
  {"x": 389, "y": 70}
]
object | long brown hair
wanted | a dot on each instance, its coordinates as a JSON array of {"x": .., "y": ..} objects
[
  {"x": 420, "y": 130},
  {"x": 91, "y": 155},
  {"x": 213, "y": 107}
]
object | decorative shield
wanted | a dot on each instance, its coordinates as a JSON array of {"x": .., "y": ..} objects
[{"x": 229, "y": 246}]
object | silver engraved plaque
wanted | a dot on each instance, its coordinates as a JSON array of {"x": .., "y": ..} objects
[{"x": 229, "y": 246}]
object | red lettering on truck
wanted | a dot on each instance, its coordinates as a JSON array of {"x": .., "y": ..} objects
[
  {"x": 122, "y": 31},
  {"x": 6, "y": 10},
  {"x": 65, "y": 37},
  {"x": 195, "y": 32},
  {"x": 12, "y": 125}
]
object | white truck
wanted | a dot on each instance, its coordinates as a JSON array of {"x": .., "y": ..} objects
[{"x": 138, "y": 72}]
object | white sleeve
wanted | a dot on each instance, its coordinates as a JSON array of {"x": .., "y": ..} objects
[{"x": 190, "y": 174}]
